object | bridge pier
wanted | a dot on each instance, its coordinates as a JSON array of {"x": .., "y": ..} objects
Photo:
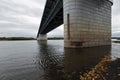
[
  {"x": 42, "y": 37},
  {"x": 87, "y": 23}
]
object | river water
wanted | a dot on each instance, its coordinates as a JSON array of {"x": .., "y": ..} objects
[{"x": 32, "y": 60}]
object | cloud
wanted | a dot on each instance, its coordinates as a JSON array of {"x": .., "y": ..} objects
[
  {"x": 22, "y": 18},
  {"x": 57, "y": 32},
  {"x": 116, "y": 18}
]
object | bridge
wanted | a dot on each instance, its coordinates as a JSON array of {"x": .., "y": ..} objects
[{"x": 87, "y": 23}]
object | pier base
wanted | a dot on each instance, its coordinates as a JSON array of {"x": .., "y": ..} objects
[{"x": 42, "y": 37}]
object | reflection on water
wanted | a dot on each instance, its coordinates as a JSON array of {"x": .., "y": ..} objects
[
  {"x": 32, "y": 60},
  {"x": 50, "y": 62},
  {"x": 74, "y": 63},
  {"x": 77, "y": 61}
]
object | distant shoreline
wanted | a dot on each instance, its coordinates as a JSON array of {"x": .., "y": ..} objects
[
  {"x": 118, "y": 38},
  {"x": 55, "y": 38},
  {"x": 27, "y": 38},
  {"x": 31, "y": 38},
  {"x": 15, "y": 38}
]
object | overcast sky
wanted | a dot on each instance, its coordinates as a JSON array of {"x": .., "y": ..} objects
[{"x": 22, "y": 18}]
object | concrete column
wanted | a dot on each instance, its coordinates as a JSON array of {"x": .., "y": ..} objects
[
  {"x": 87, "y": 23},
  {"x": 42, "y": 37}
]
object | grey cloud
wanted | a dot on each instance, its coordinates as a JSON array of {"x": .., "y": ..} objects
[
  {"x": 57, "y": 32},
  {"x": 116, "y": 7},
  {"x": 17, "y": 16},
  {"x": 22, "y": 18},
  {"x": 116, "y": 18}
]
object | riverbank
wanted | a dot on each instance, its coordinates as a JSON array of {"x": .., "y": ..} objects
[
  {"x": 116, "y": 41},
  {"x": 118, "y": 38},
  {"x": 16, "y": 38},
  {"x": 104, "y": 70},
  {"x": 28, "y": 38},
  {"x": 112, "y": 71},
  {"x": 55, "y": 38}
]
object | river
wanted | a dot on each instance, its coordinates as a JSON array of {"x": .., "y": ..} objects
[{"x": 33, "y": 60}]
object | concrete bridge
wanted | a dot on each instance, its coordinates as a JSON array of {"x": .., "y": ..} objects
[{"x": 87, "y": 23}]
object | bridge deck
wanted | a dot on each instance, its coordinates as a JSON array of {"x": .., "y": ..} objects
[{"x": 52, "y": 16}]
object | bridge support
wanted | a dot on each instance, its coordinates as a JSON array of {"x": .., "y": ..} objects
[
  {"x": 42, "y": 37},
  {"x": 87, "y": 23}
]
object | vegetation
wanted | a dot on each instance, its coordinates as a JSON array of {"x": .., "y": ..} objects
[
  {"x": 118, "y": 38},
  {"x": 17, "y": 38},
  {"x": 116, "y": 41},
  {"x": 55, "y": 38},
  {"x": 28, "y": 38}
]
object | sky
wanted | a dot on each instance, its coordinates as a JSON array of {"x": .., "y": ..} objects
[{"x": 21, "y": 18}]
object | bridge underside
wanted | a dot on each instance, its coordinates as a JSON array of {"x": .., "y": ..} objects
[
  {"x": 52, "y": 16},
  {"x": 87, "y": 23}
]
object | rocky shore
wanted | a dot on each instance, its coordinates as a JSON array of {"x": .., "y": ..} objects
[{"x": 106, "y": 69}]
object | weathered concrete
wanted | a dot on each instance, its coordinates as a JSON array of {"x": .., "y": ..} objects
[
  {"x": 42, "y": 37},
  {"x": 87, "y": 23}
]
